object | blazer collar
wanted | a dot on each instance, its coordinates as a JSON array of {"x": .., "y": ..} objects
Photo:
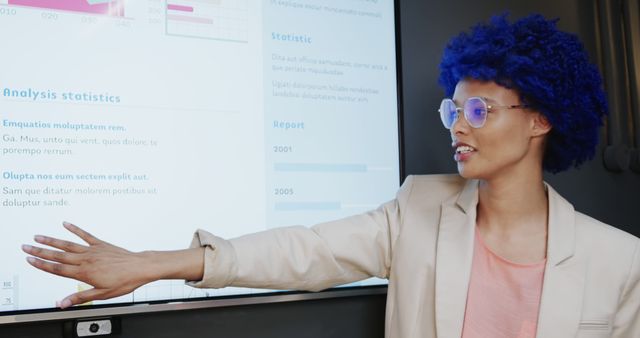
[
  {"x": 561, "y": 233},
  {"x": 562, "y": 287},
  {"x": 467, "y": 200},
  {"x": 564, "y": 276},
  {"x": 454, "y": 254}
]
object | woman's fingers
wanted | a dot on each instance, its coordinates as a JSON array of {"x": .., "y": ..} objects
[
  {"x": 91, "y": 295},
  {"x": 51, "y": 255},
  {"x": 64, "y": 270},
  {"x": 111, "y": 270},
  {"x": 81, "y": 298},
  {"x": 60, "y": 244},
  {"x": 87, "y": 237}
]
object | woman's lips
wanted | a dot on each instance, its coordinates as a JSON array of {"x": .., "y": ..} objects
[
  {"x": 461, "y": 157},
  {"x": 463, "y": 152}
]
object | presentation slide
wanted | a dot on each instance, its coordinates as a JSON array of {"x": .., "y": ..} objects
[{"x": 142, "y": 121}]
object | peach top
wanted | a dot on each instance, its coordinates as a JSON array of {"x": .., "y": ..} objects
[{"x": 503, "y": 298}]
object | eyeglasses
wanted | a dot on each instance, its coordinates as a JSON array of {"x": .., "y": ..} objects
[{"x": 475, "y": 111}]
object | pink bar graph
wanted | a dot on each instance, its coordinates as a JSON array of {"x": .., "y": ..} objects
[
  {"x": 112, "y": 8},
  {"x": 180, "y": 8}
]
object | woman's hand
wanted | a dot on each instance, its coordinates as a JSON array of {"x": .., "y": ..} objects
[{"x": 112, "y": 271}]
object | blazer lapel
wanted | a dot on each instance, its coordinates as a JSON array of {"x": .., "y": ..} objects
[
  {"x": 564, "y": 277},
  {"x": 453, "y": 260}
]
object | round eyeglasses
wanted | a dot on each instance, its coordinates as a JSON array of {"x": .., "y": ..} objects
[{"x": 475, "y": 111}]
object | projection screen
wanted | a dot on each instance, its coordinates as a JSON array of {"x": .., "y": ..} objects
[{"x": 142, "y": 121}]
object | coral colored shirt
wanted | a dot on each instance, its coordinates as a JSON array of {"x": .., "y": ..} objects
[{"x": 503, "y": 298}]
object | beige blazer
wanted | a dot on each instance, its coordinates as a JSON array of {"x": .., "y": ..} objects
[{"x": 422, "y": 241}]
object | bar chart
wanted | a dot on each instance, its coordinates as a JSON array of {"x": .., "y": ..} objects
[
  {"x": 208, "y": 19},
  {"x": 102, "y": 7}
]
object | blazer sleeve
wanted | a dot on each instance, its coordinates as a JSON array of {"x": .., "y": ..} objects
[
  {"x": 627, "y": 320},
  {"x": 301, "y": 258}
]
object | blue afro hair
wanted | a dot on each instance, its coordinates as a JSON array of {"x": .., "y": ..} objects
[{"x": 547, "y": 67}]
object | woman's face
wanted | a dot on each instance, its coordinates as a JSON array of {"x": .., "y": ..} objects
[{"x": 503, "y": 144}]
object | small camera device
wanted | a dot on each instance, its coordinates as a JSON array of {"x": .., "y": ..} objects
[{"x": 92, "y": 327}]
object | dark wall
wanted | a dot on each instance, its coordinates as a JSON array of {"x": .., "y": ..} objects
[{"x": 426, "y": 26}]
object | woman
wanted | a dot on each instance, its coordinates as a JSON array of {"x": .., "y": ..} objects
[{"x": 491, "y": 252}]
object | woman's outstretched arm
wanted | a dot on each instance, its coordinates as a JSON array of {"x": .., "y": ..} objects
[{"x": 111, "y": 270}]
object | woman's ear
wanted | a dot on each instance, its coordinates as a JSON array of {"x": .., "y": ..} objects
[{"x": 540, "y": 125}]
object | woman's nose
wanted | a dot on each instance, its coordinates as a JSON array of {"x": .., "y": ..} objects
[{"x": 460, "y": 125}]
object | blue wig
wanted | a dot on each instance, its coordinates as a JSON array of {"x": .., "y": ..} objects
[{"x": 548, "y": 68}]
